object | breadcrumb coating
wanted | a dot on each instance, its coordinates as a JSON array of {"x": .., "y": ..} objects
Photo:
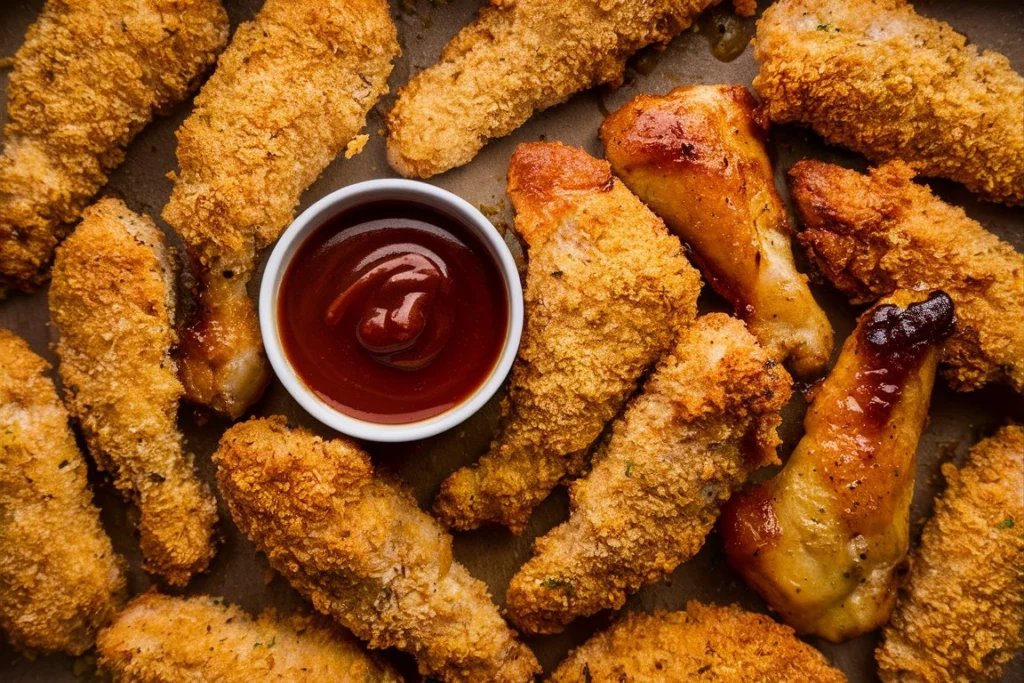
[
  {"x": 516, "y": 58},
  {"x": 871, "y": 234},
  {"x": 882, "y": 80},
  {"x": 960, "y": 616},
  {"x": 607, "y": 287},
  {"x": 707, "y": 417},
  {"x": 704, "y": 643},
  {"x": 289, "y": 93},
  {"x": 360, "y": 549},
  {"x": 89, "y": 76},
  {"x": 112, "y": 302},
  {"x": 60, "y": 580},
  {"x": 162, "y": 639}
]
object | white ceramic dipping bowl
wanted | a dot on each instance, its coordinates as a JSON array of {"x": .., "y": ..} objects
[{"x": 336, "y": 203}]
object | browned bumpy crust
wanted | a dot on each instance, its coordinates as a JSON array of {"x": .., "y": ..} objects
[
  {"x": 112, "y": 302},
  {"x": 89, "y": 76},
  {"x": 357, "y": 545},
  {"x": 60, "y": 580},
  {"x": 960, "y": 616},
  {"x": 875, "y": 76},
  {"x": 871, "y": 234},
  {"x": 705, "y": 644},
  {"x": 606, "y": 290},
  {"x": 706, "y": 418}
]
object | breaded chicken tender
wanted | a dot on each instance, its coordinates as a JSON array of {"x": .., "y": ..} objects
[
  {"x": 517, "y": 58},
  {"x": 606, "y": 290},
  {"x": 880, "y": 79},
  {"x": 870, "y": 235},
  {"x": 161, "y": 639},
  {"x": 112, "y": 302},
  {"x": 60, "y": 580},
  {"x": 961, "y": 614},
  {"x": 707, "y": 417},
  {"x": 360, "y": 549},
  {"x": 704, "y": 643},
  {"x": 289, "y": 93},
  {"x": 90, "y": 75}
]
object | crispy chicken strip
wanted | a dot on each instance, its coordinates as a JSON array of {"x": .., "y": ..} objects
[
  {"x": 360, "y": 549},
  {"x": 825, "y": 541},
  {"x": 160, "y": 639},
  {"x": 112, "y": 302},
  {"x": 289, "y": 93},
  {"x": 704, "y": 643},
  {"x": 961, "y": 614},
  {"x": 90, "y": 75},
  {"x": 517, "y": 58},
  {"x": 707, "y": 417},
  {"x": 870, "y": 235},
  {"x": 60, "y": 580},
  {"x": 875, "y": 76},
  {"x": 606, "y": 289},
  {"x": 697, "y": 157}
]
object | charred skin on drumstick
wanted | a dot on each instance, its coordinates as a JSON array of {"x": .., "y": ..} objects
[
  {"x": 289, "y": 93},
  {"x": 697, "y": 157},
  {"x": 112, "y": 303},
  {"x": 825, "y": 541},
  {"x": 607, "y": 288}
]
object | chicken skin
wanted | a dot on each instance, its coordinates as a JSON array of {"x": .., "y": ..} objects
[
  {"x": 360, "y": 549},
  {"x": 707, "y": 417},
  {"x": 961, "y": 614},
  {"x": 517, "y": 58},
  {"x": 871, "y": 234},
  {"x": 880, "y": 79},
  {"x": 825, "y": 541},
  {"x": 89, "y": 76},
  {"x": 289, "y": 93},
  {"x": 160, "y": 639},
  {"x": 704, "y": 644},
  {"x": 112, "y": 302},
  {"x": 607, "y": 287},
  {"x": 60, "y": 580},
  {"x": 697, "y": 157}
]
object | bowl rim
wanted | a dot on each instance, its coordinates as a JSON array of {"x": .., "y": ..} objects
[{"x": 315, "y": 216}]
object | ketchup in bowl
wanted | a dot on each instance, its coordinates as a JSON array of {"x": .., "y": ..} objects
[{"x": 393, "y": 312}]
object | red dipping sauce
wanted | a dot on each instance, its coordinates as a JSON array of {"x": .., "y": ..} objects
[{"x": 393, "y": 312}]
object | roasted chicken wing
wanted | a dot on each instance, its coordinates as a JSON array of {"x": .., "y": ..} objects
[
  {"x": 606, "y": 289},
  {"x": 825, "y": 541},
  {"x": 90, "y": 75},
  {"x": 289, "y": 93},
  {"x": 697, "y": 157},
  {"x": 112, "y": 302}
]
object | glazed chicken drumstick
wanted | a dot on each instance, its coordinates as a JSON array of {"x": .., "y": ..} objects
[
  {"x": 90, "y": 75},
  {"x": 697, "y": 157},
  {"x": 825, "y": 541},
  {"x": 289, "y": 93}
]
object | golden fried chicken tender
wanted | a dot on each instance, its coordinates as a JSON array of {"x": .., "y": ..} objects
[
  {"x": 606, "y": 290},
  {"x": 357, "y": 545},
  {"x": 697, "y": 157},
  {"x": 704, "y": 643},
  {"x": 880, "y": 79},
  {"x": 90, "y": 75},
  {"x": 961, "y": 614},
  {"x": 289, "y": 93},
  {"x": 112, "y": 302},
  {"x": 161, "y": 639},
  {"x": 825, "y": 541},
  {"x": 517, "y": 58},
  {"x": 707, "y": 417},
  {"x": 60, "y": 580},
  {"x": 870, "y": 235}
]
